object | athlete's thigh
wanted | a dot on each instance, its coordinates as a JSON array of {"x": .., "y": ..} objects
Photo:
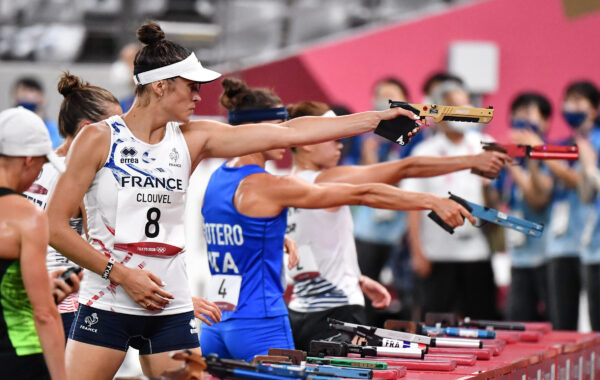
[
  {"x": 211, "y": 340},
  {"x": 256, "y": 336},
  {"x": 153, "y": 365},
  {"x": 86, "y": 361}
]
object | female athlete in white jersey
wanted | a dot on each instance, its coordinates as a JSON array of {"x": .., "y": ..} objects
[
  {"x": 133, "y": 171},
  {"x": 245, "y": 211},
  {"x": 82, "y": 105},
  {"x": 327, "y": 279}
]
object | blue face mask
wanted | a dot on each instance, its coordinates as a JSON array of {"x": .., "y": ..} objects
[
  {"x": 525, "y": 124},
  {"x": 29, "y": 106},
  {"x": 575, "y": 119}
]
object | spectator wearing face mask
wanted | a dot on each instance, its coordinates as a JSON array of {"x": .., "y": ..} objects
[
  {"x": 570, "y": 232},
  {"x": 455, "y": 271},
  {"x": 526, "y": 188},
  {"x": 29, "y": 93},
  {"x": 434, "y": 80}
]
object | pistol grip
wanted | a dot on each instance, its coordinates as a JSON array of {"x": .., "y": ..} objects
[
  {"x": 483, "y": 174},
  {"x": 397, "y": 129},
  {"x": 436, "y": 218}
]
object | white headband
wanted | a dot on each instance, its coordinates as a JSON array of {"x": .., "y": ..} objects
[
  {"x": 329, "y": 113},
  {"x": 190, "y": 68}
]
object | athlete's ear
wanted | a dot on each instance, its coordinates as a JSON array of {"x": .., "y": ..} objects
[
  {"x": 159, "y": 87},
  {"x": 306, "y": 148},
  {"x": 27, "y": 162}
]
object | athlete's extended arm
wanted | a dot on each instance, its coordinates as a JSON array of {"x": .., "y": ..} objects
[
  {"x": 413, "y": 167},
  {"x": 267, "y": 195},
  {"x": 211, "y": 139},
  {"x": 34, "y": 240},
  {"x": 86, "y": 157}
]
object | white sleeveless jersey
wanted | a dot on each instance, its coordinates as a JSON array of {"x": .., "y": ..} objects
[
  {"x": 327, "y": 274},
  {"x": 135, "y": 211},
  {"x": 39, "y": 193}
]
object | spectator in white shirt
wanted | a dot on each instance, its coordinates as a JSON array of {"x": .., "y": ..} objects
[{"x": 454, "y": 271}]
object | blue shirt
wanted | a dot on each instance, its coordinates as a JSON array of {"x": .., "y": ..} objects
[
  {"x": 568, "y": 219},
  {"x": 239, "y": 245},
  {"x": 591, "y": 252}
]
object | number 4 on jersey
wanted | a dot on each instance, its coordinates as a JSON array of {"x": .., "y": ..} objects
[{"x": 222, "y": 290}]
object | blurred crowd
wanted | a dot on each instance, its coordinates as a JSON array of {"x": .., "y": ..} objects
[{"x": 429, "y": 270}]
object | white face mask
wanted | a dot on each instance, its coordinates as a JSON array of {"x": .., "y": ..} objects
[{"x": 463, "y": 126}]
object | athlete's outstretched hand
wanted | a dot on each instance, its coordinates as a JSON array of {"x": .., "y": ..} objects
[
  {"x": 451, "y": 212},
  {"x": 490, "y": 163},
  {"x": 395, "y": 112},
  {"x": 144, "y": 288},
  {"x": 291, "y": 248},
  {"x": 392, "y": 113},
  {"x": 376, "y": 292},
  {"x": 204, "y": 308}
]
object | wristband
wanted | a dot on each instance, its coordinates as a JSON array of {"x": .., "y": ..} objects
[{"x": 109, "y": 267}]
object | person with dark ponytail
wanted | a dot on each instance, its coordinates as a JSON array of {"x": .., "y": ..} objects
[
  {"x": 133, "y": 170},
  {"x": 245, "y": 213},
  {"x": 82, "y": 104},
  {"x": 327, "y": 280}
]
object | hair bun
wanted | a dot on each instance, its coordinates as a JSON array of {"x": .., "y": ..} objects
[
  {"x": 69, "y": 83},
  {"x": 232, "y": 87},
  {"x": 150, "y": 33}
]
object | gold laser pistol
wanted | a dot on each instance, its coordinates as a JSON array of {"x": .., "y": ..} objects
[{"x": 397, "y": 129}]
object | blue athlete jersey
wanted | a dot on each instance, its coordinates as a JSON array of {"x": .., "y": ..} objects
[
  {"x": 591, "y": 250},
  {"x": 525, "y": 251},
  {"x": 245, "y": 253}
]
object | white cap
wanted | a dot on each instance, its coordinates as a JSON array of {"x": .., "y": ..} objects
[
  {"x": 24, "y": 134},
  {"x": 190, "y": 68}
]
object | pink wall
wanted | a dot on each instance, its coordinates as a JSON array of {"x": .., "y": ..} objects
[{"x": 539, "y": 49}]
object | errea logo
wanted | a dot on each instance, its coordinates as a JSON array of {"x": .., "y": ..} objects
[
  {"x": 194, "y": 327},
  {"x": 128, "y": 155}
]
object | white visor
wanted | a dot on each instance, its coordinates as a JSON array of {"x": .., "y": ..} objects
[{"x": 190, "y": 68}]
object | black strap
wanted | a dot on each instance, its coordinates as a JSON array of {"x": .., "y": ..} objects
[{"x": 6, "y": 191}]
